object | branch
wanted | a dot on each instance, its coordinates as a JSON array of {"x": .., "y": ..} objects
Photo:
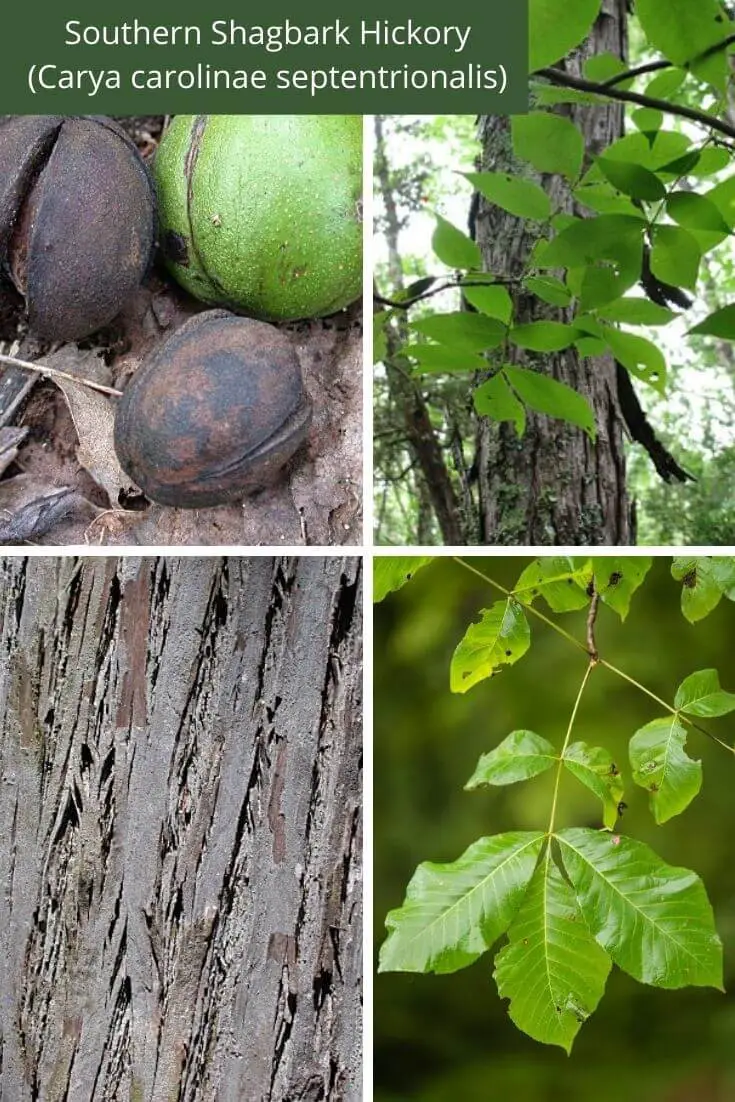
[
  {"x": 54, "y": 373},
  {"x": 565, "y": 80},
  {"x": 591, "y": 617},
  {"x": 453, "y": 285},
  {"x": 656, "y": 66}
]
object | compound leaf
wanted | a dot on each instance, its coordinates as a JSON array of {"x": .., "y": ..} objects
[
  {"x": 521, "y": 755},
  {"x": 453, "y": 913},
  {"x": 700, "y": 695},
  {"x": 654, "y": 920},
  {"x": 662, "y": 766},
  {"x": 552, "y": 969},
  {"x": 501, "y": 638}
]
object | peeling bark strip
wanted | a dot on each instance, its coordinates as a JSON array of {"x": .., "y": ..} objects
[{"x": 180, "y": 830}]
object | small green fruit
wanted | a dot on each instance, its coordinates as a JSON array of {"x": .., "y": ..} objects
[{"x": 262, "y": 213}]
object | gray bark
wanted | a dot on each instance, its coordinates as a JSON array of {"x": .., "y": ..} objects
[
  {"x": 553, "y": 486},
  {"x": 180, "y": 829}
]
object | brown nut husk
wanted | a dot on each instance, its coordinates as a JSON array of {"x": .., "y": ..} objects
[
  {"x": 77, "y": 220},
  {"x": 214, "y": 413}
]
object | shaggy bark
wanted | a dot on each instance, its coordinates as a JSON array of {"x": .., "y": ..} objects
[
  {"x": 180, "y": 829},
  {"x": 553, "y": 486}
]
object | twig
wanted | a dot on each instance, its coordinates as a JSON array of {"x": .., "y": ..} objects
[
  {"x": 54, "y": 373},
  {"x": 566, "y": 80},
  {"x": 657, "y": 66},
  {"x": 591, "y": 617},
  {"x": 455, "y": 285}
]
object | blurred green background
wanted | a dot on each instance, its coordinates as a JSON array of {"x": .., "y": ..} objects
[{"x": 442, "y": 1038}]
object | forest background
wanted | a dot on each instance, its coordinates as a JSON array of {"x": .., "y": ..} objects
[{"x": 418, "y": 166}]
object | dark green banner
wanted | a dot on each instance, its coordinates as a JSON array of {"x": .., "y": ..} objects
[{"x": 282, "y": 57}]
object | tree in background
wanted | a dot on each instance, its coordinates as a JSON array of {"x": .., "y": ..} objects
[{"x": 568, "y": 219}]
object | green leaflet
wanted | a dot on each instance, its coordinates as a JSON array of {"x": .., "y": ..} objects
[
  {"x": 682, "y": 31},
  {"x": 675, "y": 256},
  {"x": 493, "y": 301},
  {"x": 552, "y": 969},
  {"x": 721, "y": 323},
  {"x": 701, "y": 586},
  {"x": 617, "y": 578},
  {"x": 453, "y": 247},
  {"x": 551, "y": 143},
  {"x": 495, "y": 399},
  {"x": 556, "y": 27},
  {"x": 700, "y": 695},
  {"x": 501, "y": 638},
  {"x": 661, "y": 765},
  {"x": 392, "y": 572},
  {"x": 544, "y": 336},
  {"x": 443, "y": 358},
  {"x": 654, "y": 920},
  {"x": 560, "y": 579},
  {"x": 453, "y": 913},
  {"x": 520, "y": 197},
  {"x": 587, "y": 239},
  {"x": 641, "y": 357},
  {"x": 549, "y": 289},
  {"x": 462, "y": 330},
  {"x": 521, "y": 755},
  {"x": 636, "y": 311},
  {"x": 546, "y": 395},
  {"x": 632, "y": 179},
  {"x": 594, "y": 767},
  {"x": 695, "y": 212}
]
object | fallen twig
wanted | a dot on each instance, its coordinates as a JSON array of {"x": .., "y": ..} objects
[{"x": 52, "y": 372}]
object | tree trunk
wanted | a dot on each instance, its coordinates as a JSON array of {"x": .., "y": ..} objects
[
  {"x": 553, "y": 486},
  {"x": 180, "y": 821}
]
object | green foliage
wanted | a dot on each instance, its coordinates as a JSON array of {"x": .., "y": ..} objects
[
  {"x": 500, "y": 639},
  {"x": 557, "y": 26},
  {"x": 390, "y": 573},
  {"x": 661, "y": 766},
  {"x": 573, "y": 901},
  {"x": 549, "y": 940},
  {"x": 683, "y": 32},
  {"x": 453, "y": 247},
  {"x": 546, "y": 395},
  {"x": 549, "y": 142},
  {"x": 521, "y": 755}
]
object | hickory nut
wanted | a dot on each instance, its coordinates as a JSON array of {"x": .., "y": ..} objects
[
  {"x": 214, "y": 413},
  {"x": 263, "y": 213},
  {"x": 77, "y": 220}
]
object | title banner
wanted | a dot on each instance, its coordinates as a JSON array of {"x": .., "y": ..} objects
[{"x": 229, "y": 57}]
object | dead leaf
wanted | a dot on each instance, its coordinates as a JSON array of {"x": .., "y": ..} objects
[{"x": 94, "y": 420}]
